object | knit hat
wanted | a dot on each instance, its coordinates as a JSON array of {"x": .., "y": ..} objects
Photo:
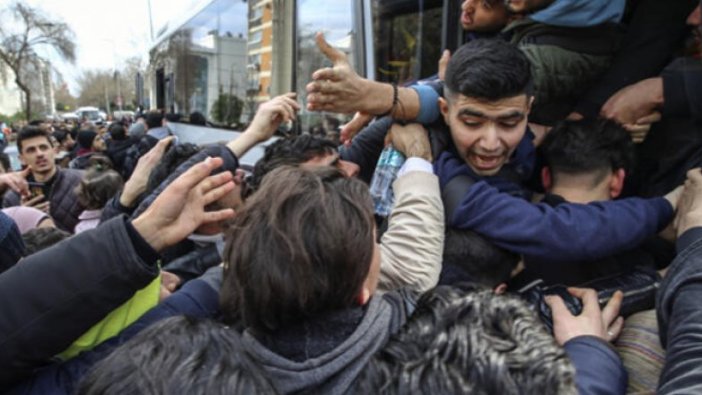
[{"x": 85, "y": 138}]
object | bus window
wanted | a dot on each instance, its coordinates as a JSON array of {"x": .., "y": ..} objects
[
  {"x": 202, "y": 65},
  {"x": 335, "y": 20},
  {"x": 407, "y": 39}
]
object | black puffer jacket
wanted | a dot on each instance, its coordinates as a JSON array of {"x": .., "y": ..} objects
[{"x": 65, "y": 207}]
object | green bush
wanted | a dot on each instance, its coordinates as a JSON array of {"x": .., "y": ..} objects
[{"x": 227, "y": 109}]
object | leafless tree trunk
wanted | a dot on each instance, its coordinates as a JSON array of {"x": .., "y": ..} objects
[{"x": 20, "y": 40}]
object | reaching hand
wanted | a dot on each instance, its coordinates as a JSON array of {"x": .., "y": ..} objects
[
  {"x": 351, "y": 129},
  {"x": 640, "y": 129},
  {"x": 136, "y": 185},
  {"x": 411, "y": 139},
  {"x": 17, "y": 181},
  {"x": 271, "y": 114},
  {"x": 340, "y": 89},
  {"x": 38, "y": 202},
  {"x": 592, "y": 321},
  {"x": 180, "y": 208},
  {"x": 634, "y": 102},
  {"x": 690, "y": 203}
]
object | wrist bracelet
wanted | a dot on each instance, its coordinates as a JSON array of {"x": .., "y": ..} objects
[{"x": 395, "y": 100}]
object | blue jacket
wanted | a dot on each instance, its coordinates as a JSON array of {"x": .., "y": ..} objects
[
  {"x": 568, "y": 232},
  {"x": 196, "y": 299},
  {"x": 598, "y": 368},
  {"x": 680, "y": 318}
]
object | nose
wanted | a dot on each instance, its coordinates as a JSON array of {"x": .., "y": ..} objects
[
  {"x": 695, "y": 18},
  {"x": 349, "y": 168},
  {"x": 467, "y": 4},
  {"x": 490, "y": 140}
]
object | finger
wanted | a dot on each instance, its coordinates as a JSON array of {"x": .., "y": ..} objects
[
  {"x": 19, "y": 185},
  {"x": 290, "y": 111},
  {"x": 320, "y": 99},
  {"x": 325, "y": 74},
  {"x": 330, "y": 52},
  {"x": 193, "y": 176},
  {"x": 649, "y": 119},
  {"x": 588, "y": 297},
  {"x": 443, "y": 62},
  {"x": 388, "y": 138},
  {"x": 615, "y": 329},
  {"x": 611, "y": 310},
  {"x": 290, "y": 101},
  {"x": 35, "y": 200},
  {"x": 26, "y": 172},
  {"x": 216, "y": 216},
  {"x": 324, "y": 86},
  {"x": 359, "y": 121},
  {"x": 217, "y": 193},
  {"x": 43, "y": 207},
  {"x": 558, "y": 308}
]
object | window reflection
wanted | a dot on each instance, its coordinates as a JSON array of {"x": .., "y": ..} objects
[{"x": 204, "y": 62}]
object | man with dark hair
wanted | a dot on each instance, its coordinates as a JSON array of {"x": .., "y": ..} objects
[
  {"x": 119, "y": 144},
  {"x": 164, "y": 364},
  {"x": 470, "y": 257},
  {"x": 586, "y": 160},
  {"x": 469, "y": 340},
  {"x": 298, "y": 150},
  {"x": 38, "y": 239},
  {"x": 54, "y": 187}
]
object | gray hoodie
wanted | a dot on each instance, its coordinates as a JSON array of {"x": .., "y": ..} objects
[{"x": 335, "y": 371}]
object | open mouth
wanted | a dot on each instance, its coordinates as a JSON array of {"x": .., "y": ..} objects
[
  {"x": 484, "y": 162},
  {"x": 466, "y": 19}
]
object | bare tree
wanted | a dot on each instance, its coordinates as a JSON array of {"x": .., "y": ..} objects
[{"x": 20, "y": 39}]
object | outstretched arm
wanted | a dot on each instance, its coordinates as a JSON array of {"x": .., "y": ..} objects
[{"x": 568, "y": 232}]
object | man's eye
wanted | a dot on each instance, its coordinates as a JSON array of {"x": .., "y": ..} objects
[{"x": 471, "y": 124}]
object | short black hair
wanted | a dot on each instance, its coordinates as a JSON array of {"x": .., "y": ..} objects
[
  {"x": 30, "y": 132},
  {"x": 178, "y": 355},
  {"x": 588, "y": 146},
  {"x": 38, "y": 239},
  {"x": 118, "y": 131},
  {"x": 488, "y": 69},
  {"x": 291, "y": 151},
  {"x": 196, "y": 118},
  {"x": 469, "y": 256},
  {"x": 469, "y": 340},
  {"x": 285, "y": 260},
  {"x": 154, "y": 119}
]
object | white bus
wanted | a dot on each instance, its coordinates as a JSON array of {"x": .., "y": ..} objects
[{"x": 224, "y": 56}]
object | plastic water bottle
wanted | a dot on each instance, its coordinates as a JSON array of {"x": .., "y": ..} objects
[{"x": 385, "y": 174}]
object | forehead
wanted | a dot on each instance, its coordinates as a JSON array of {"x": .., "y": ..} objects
[
  {"x": 321, "y": 160},
  {"x": 35, "y": 142},
  {"x": 492, "y": 108}
]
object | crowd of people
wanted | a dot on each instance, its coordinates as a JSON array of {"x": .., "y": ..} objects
[{"x": 544, "y": 236}]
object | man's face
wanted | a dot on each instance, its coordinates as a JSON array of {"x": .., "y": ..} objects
[
  {"x": 99, "y": 144},
  {"x": 350, "y": 169},
  {"x": 481, "y": 16},
  {"x": 486, "y": 133},
  {"x": 38, "y": 154},
  {"x": 527, "y": 6}
]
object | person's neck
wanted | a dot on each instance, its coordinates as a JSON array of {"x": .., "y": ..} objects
[
  {"x": 44, "y": 177},
  {"x": 578, "y": 194}
]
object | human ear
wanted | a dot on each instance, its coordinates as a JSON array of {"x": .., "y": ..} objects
[
  {"x": 444, "y": 108},
  {"x": 546, "y": 180},
  {"x": 364, "y": 296},
  {"x": 616, "y": 183}
]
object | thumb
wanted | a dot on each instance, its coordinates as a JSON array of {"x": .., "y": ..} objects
[
  {"x": 558, "y": 308},
  {"x": 352, "y": 128},
  {"x": 330, "y": 52},
  {"x": 26, "y": 172},
  {"x": 443, "y": 63}
]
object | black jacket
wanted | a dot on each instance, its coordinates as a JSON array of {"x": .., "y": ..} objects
[
  {"x": 65, "y": 207},
  {"x": 52, "y": 297}
]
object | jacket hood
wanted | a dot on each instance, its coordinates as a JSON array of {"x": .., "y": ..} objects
[
  {"x": 581, "y": 13},
  {"x": 335, "y": 371}
]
